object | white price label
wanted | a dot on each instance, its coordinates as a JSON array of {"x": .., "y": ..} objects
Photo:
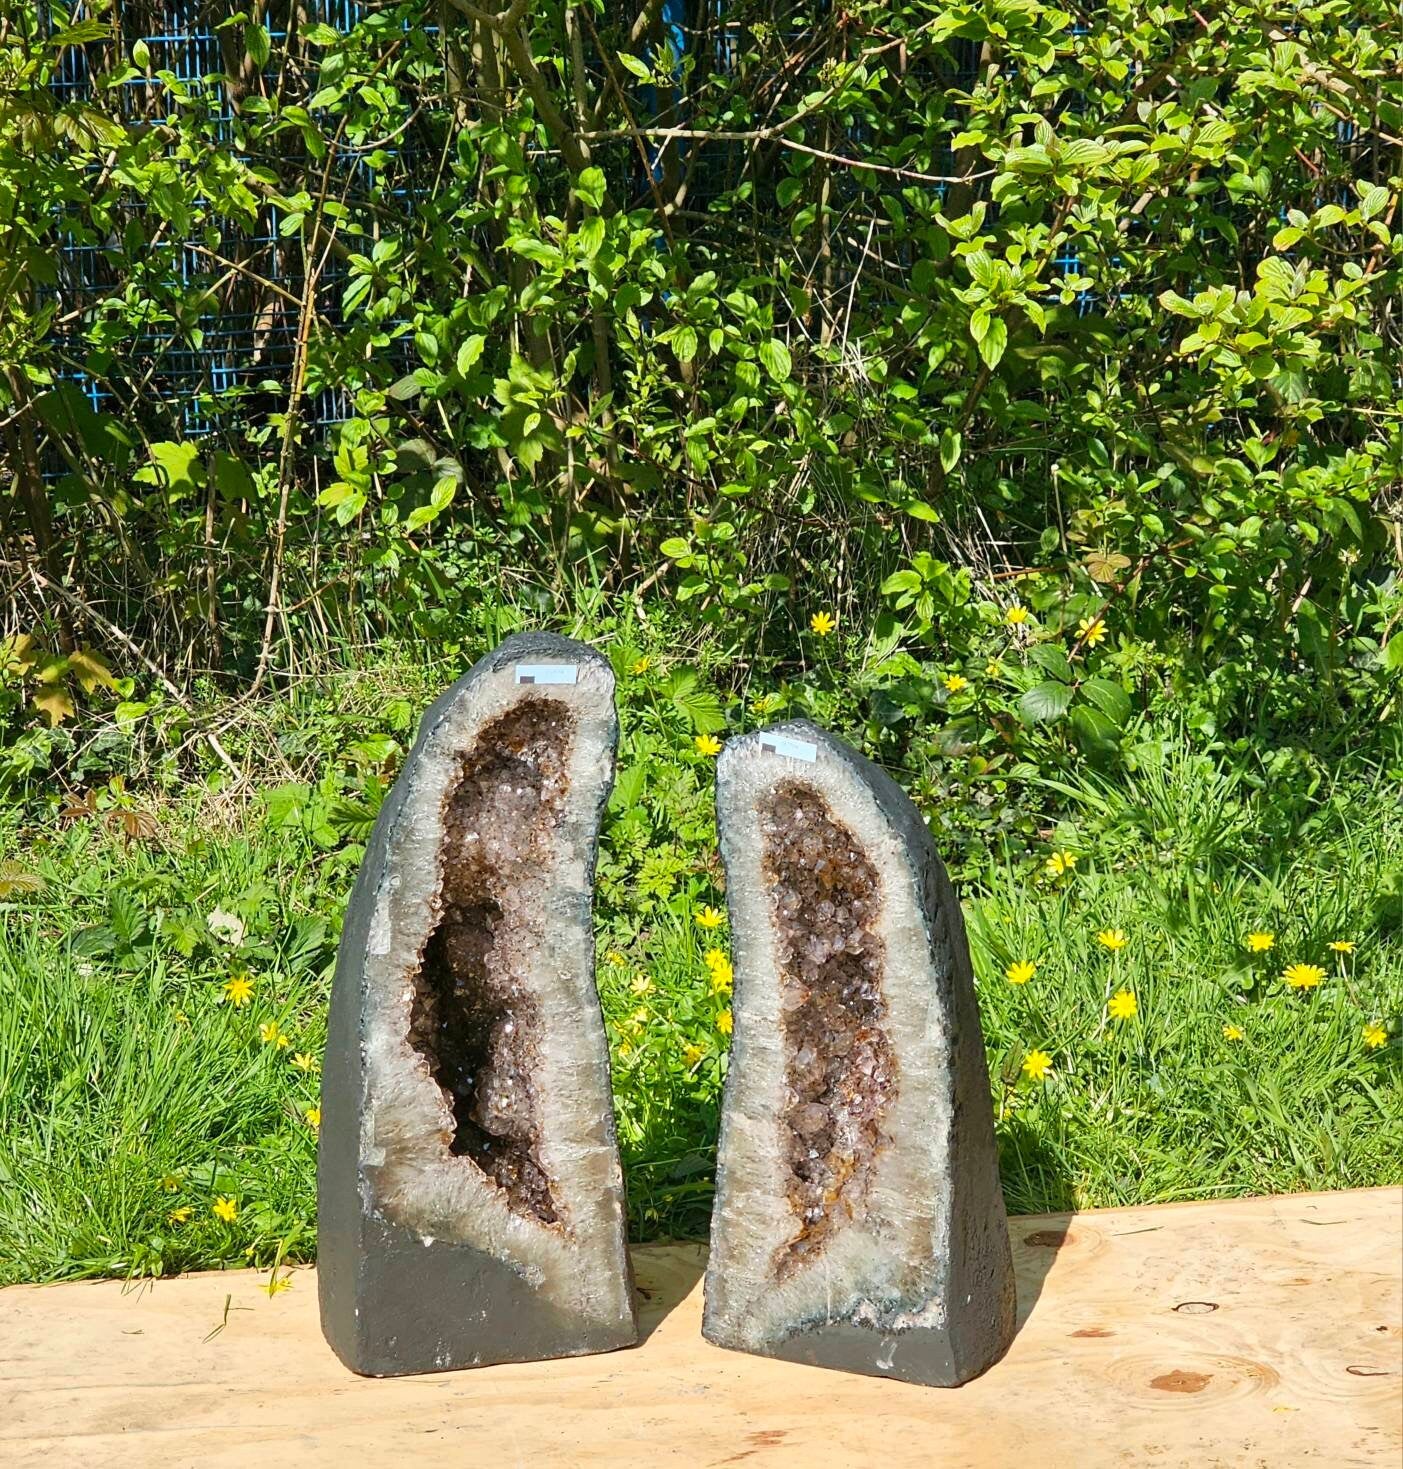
[
  {"x": 778, "y": 744},
  {"x": 547, "y": 673}
]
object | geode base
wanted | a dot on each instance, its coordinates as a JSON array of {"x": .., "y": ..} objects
[
  {"x": 859, "y": 1222},
  {"x": 470, "y": 1197}
]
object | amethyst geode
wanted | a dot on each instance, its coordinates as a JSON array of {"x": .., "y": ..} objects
[
  {"x": 859, "y": 1222},
  {"x": 470, "y": 1197}
]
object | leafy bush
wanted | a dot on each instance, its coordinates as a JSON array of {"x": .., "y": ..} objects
[{"x": 921, "y": 311}]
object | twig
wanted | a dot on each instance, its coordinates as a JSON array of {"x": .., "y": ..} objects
[{"x": 775, "y": 134}]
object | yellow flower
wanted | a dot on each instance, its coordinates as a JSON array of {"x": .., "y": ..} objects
[
  {"x": 1122, "y": 1005},
  {"x": 171, "y": 1184},
  {"x": 1060, "y": 863},
  {"x": 639, "y": 1017},
  {"x": 709, "y": 917},
  {"x": 1233, "y": 1032},
  {"x": 180, "y": 1215},
  {"x": 1091, "y": 630},
  {"x": 1112, "y": 939},
  {"x": 226, "y": 1209},
  {"x": 625, "y": 1048},
  {"x": 641, "y": 984},
  {"x": 1036, "y": 1065},
  {"x": 313, "y": 1116},
  {"x": 823, "y": 623},
  {"x": 707, "y": 744},
  {"x": 238, "y": 991},
  {"x": 993, "y": 668},
  {"x": 692, "y": 1054},
  {"x": 1015, "y": 615},
  {"x": 1303, "y": 976},
  {"x": 1020, "y": 971},
  {"x": 304, "y": 1061},
  {"x": 1259, "y": 943},
  {"x": 725, "y": 1022},
  {"x": 640, "y": 666},
  {"x": 719, "y": 967},
  {"x": 1375, "y": 1035},
  {"x": 271, "y": 1034},
  {"x": 615, "y": 958},
  {"x": 955, "y": 682},
  {"x": 1342, "y": 946},
  {"x": 277, "y": 1284}
]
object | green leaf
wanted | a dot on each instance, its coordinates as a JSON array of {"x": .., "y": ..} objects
[
  {"x": 1083, "y": 153},
  {"x": 637, "y": 67},
  {"x": 775, "y": 357},
  {"x": 591, "y": 236},
  {"x": 901, "y": 581},
  {"x": 950, "y": 444},
  {"x": 1373, "y": 201},
  {"x": 1052, "y": 659},
  {"x": 1393, "y": 653},
  {"x": 231, "y": 476},
  {"x": 534, "y": 249},
  {"x": 1109, "y": 698},
  {"x": 590, "y": 187},
  {"x": 175, "y": 468},
  {"x": 698, "y": 705},
  {"x": 991, "y": 348},
  {"x": 1045, "y": 701},
  {"x": 469, "y": 353},
  {"x": 981, "y": 267},
  {"x": 257, "y": 44},
  {"x": 1097, "y": 733},
  {"x": 676, "y": 548}
]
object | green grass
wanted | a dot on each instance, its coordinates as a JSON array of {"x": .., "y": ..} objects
[
  {"x": 1161, "y": 1106},
  {"x": 130, "y": 1088},
  {"x": 132, "y": 1091}
]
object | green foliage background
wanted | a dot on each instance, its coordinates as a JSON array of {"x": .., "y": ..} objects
[
  {"x": 1054, "y": 353},
  {"x": 926, "y": 300}
]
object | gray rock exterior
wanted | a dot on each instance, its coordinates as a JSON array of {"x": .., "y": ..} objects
[
  {"x": 426, "y": 1262},
  {"x": 859, "y": 1222}
]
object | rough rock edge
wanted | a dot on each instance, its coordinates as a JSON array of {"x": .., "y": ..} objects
[
  {"x": 423, "y": 1264},
  {"x": 923, "y": 1290}
]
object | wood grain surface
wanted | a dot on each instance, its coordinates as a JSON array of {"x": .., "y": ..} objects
[{"x": 1259, "y": 1332}]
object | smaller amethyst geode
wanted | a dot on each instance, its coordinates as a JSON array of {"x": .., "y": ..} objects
[{"x": 859, "y": 1222}]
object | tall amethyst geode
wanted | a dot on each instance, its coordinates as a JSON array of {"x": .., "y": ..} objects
[
  {"x": 859, "y": 1222},
  {"x": 470, "y": 1197}
]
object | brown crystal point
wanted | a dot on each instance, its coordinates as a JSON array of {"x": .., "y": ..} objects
[
  {"x": 859, "y": 1221},
  {"x": 470, "y": 1197}
]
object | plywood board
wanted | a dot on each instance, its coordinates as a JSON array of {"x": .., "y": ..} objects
[{"x": 1255, "y": 1332}]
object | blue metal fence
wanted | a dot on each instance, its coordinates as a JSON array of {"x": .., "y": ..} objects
[{"x": 247, "y": 339}]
